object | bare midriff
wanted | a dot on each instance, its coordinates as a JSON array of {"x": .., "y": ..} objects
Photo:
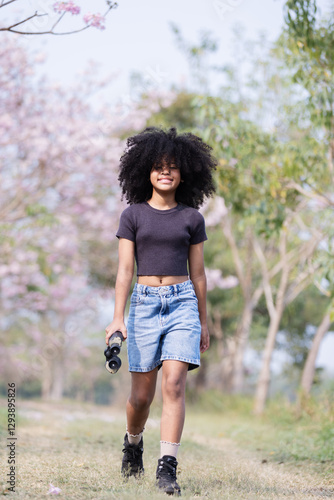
[{"x": 161, "y": 280}]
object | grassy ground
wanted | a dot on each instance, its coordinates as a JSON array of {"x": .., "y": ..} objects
[{"x": 226, "y": 453}]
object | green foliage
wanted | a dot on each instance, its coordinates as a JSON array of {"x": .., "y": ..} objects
[
  {"x": 324, "y": 261},
  {"x": 304, "y": 160},
  {"x": 300, "y": 18},
  {"x": 36, "y": 209},
  {"x": 179, "y": 114},
  {"x": 307, "y": 46},
  {"x": 30, "y": 389},
  {"x": 207, "y": 43},
  {"x": 299, "y": 323},
  {"x": 197, "y": 55},
  {"x": 250, "y": 174},
  {"x": 306, "y": 50},
  {"x": 259, "y": 326},
  {"x": 258, "y": 170}
]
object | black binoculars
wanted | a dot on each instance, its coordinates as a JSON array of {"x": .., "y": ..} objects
[{"x": 113, "y": 362}]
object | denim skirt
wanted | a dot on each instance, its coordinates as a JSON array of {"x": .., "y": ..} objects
[{"x": 163, "y": 324}]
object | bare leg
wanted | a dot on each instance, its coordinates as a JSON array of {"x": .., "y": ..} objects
[
  {"x": 138, "y": 405},
  {"x": 174, "y": 375}
]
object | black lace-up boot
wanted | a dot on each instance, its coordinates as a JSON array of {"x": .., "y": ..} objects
[
  {"x": 166, "y": 475},
  {"x": 132, "y": 463}
]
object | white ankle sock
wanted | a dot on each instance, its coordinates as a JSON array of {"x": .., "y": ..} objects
[
  {"x": 167, "y": 448},
  {"x": 135, "y": 438}
]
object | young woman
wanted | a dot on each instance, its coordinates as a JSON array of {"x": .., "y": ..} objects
[{"x": 165, "y": 178}]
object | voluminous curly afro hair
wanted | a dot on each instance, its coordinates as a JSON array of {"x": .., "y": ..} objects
[{"x": 187, "y": 151}]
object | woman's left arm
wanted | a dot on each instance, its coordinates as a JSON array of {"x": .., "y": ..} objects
[{"x": 198, "y": 277}]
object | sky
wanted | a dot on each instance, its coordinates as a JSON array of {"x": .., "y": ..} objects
[{"x": 138, "y": 38}]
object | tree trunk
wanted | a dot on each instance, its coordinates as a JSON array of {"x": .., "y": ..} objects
[
  {"x": 225, "y": 350},
  {"x": 244, "y": 273},
  {"x": 309, "y": 368},
  {"x": 227, "y": 364},
  {"x": 242, "y": 338},
  {"x": 46, "y": 380},
  {"x": 58, "y": 377},
  {"x": 200, "y": 378},
  {"x": 262, "y": 387},
  {"x": 275, "y": 313}
]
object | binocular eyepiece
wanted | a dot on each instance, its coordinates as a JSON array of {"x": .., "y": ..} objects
[{"x": 113, "y": 362}]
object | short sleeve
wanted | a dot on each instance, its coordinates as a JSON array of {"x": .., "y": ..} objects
[
  {"x": 126, "y": 227},
  {"x": 198, "y": 233}
]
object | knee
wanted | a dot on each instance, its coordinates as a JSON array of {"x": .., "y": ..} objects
[
  {"x": 173, "y": 388},
  {"x": 140, "y": 402}
]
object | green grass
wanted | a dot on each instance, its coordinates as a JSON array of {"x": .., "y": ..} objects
[
  {"x": 226, "y": 452},
  {"x": 282, "y": 433}
]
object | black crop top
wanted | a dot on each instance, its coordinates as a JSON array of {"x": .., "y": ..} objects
[{"x": 162, "y": 237}]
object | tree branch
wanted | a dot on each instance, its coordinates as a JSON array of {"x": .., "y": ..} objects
[
  {"x": 312, "y": 195},
  {"x": 321, "y": 289},
  {"x": 49, "y": 32},
  {"x": 309, "y": 367},
  {"x": 235, "y": 252},
  {"x": 7, "y": 3},
  {"x": 286, "y": 266},
  {"x": 265, "y": 279},
  {"x": 9, "y": 28},
  {"x": 58, "y": 20},
  {"x": 303, "y": 281}
]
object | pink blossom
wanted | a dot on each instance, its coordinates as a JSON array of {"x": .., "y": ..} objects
[
  {"x": 12, "y": 289},
  {"x": 96, "y": 20},
  {"x": 15, "y": 268},
  {"x": 60, "y": 169},
  {"x": 53, "y": 490},
  {"x": 70, "y": 6},
  {"x": 214, "y": 211},
  {"x": 35, "y": 334},
  {"x": 38, "y": 300},
  {"x": 61, "y": 242},
  {"x": 216, "y": 280},
  {"x": 4, "y": 270}
]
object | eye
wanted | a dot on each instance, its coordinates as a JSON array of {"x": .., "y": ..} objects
[{"x": 160, "y": 168}]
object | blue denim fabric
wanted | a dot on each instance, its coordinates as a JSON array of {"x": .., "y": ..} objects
[{"x": 163, "y": 324}]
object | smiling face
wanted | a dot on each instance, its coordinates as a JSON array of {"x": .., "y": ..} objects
[{"x": 165, "y": 177}]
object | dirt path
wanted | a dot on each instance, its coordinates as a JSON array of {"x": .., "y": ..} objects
[{"x": 78, "y": 449}]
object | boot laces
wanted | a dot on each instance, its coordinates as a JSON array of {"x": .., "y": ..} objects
[{"x": 167, "y": 470}]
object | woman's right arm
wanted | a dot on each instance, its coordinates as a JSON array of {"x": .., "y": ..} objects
[{"x": 126, "y": 255}]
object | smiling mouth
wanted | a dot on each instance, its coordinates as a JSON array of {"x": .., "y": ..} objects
[{"x": 165, "y": 180}]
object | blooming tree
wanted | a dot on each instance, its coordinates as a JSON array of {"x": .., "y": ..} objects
[
  {"x": 59, "y": 211},
  {"x": 58, "y": 185},
  {"x": 46, "y": 18}
]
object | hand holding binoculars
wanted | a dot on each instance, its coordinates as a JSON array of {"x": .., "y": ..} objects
[{"x": 113, "y": 362}]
